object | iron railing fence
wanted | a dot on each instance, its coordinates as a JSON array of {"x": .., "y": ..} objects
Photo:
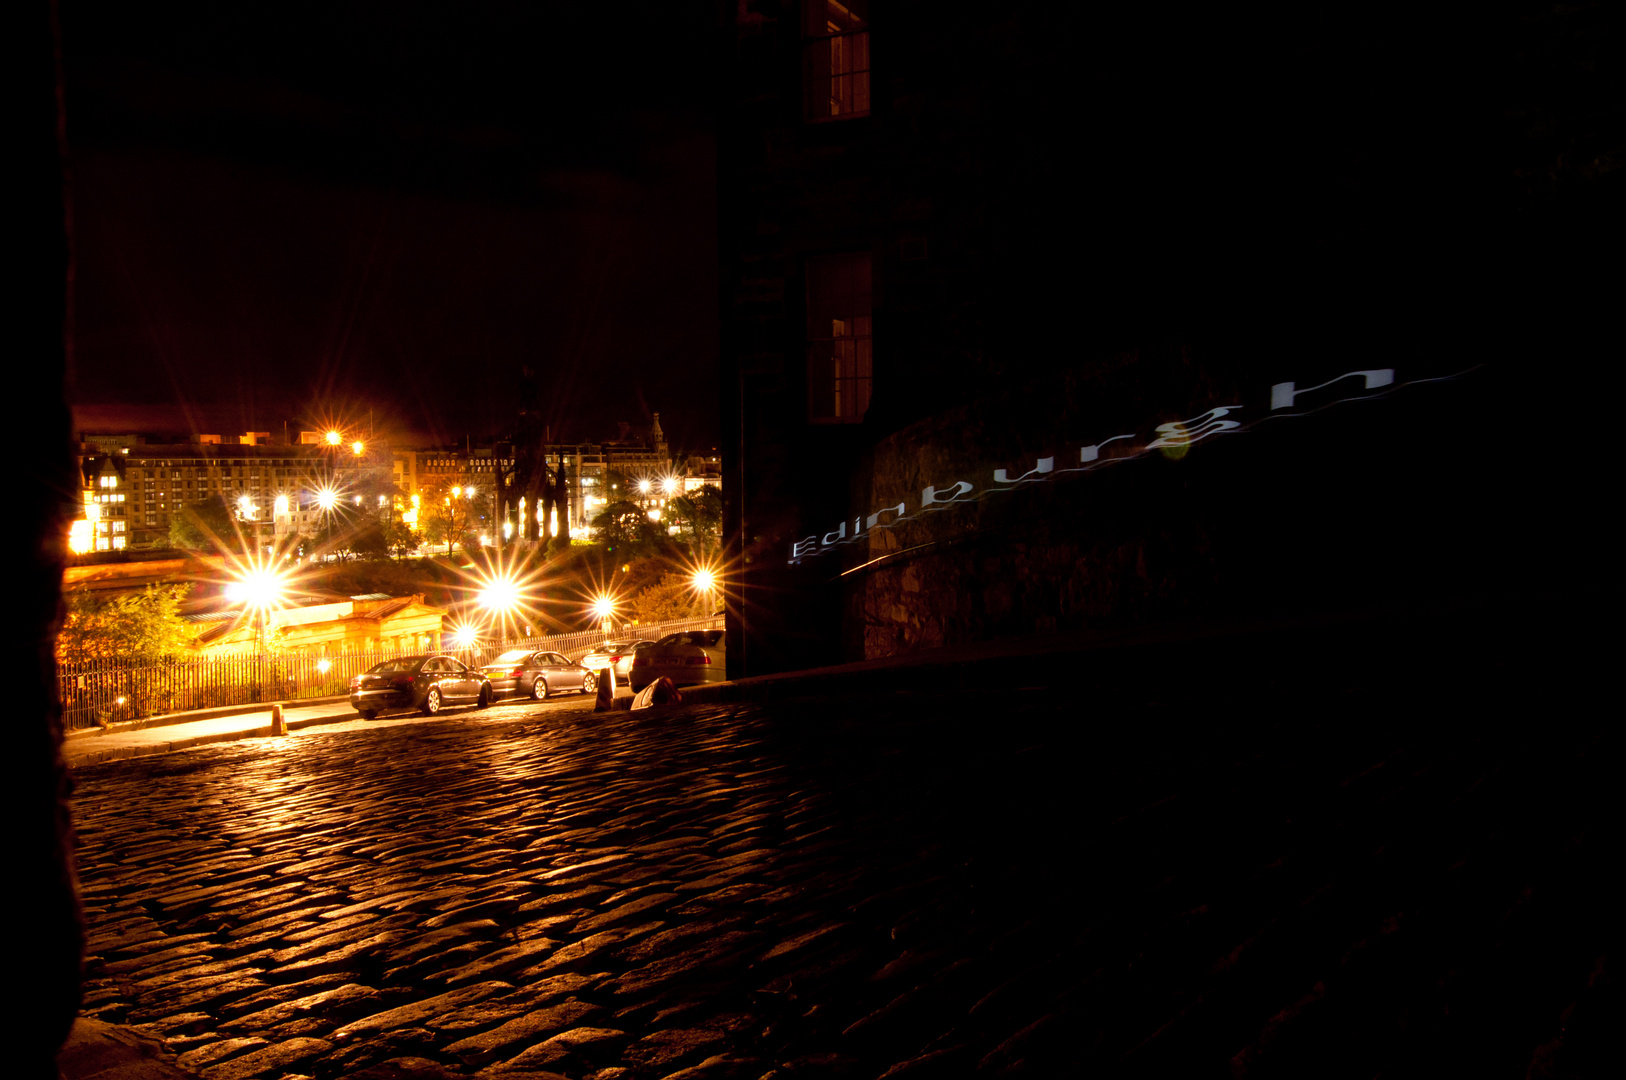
[{"x": 98, "y": 693}]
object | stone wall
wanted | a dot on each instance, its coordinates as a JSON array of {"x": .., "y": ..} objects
[{"x": 1363, "y": 503}]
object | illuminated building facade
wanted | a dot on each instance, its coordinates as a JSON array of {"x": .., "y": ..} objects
[
  {"x": 595, "y": 472},
  {"x": 355, "y": 624},
  {"x": 139, "y": 485}
]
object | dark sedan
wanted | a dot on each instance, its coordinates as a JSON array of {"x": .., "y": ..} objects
[
  {"x": 526, "y": 673},
  {"x": 426, "y": 683}
]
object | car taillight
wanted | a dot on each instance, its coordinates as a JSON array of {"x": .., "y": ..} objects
[
  {"x": 615, "y": 659},
  {"x": 702, "y": 659},
  {"x": 640, "y": 661},
  {"x": 517, "y": 672}
]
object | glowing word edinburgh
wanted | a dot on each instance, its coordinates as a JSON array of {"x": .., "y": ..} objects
[{"x": 1172, "y": 439}]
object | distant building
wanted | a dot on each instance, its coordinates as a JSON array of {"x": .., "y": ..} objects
[
  {"x": 134, "y": 487},
  {"x": 401, "y": 624},
  {"x": 596, "y": 473}
]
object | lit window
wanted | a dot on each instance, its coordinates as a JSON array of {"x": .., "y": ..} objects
[
  {"x": 836, "y": 54},
  {"x": 839, "y": 366}
]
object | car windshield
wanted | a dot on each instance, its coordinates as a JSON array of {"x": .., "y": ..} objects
[
  {"x": 611, "y": 646},
  {"x": 404, "y": 663},
  {"x": 512, "y": 656}
]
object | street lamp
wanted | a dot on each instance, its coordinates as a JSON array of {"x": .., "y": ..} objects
[
  {"x": 500, "y": 594},
  {"x": 465, "y": 636},
  {"x": 604, "y": 608},
  {"x": 259, "y": 590},
  {"x": 327, "y": 499}
]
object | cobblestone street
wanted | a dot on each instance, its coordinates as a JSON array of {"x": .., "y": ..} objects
[{"x": 915, "y": 884}]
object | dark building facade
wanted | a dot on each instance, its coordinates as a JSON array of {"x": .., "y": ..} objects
[{"x": 1046, "y": 318}]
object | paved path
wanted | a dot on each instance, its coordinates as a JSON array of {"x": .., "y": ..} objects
[{"x": 900, "y": 885}]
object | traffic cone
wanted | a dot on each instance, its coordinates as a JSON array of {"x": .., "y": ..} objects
[
  {"x": 278, "y": 725},
  {"x": 606, "y": 690}
]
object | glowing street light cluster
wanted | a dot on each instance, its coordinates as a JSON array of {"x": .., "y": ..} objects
[
  {"x": 501, "y": 594},
  {"x": 258, "y": 589}
]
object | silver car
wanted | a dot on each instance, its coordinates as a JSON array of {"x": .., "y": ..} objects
[
  {"x": 616, "y": 654},
  {"x": 532, "y": 674},
  {"x": 687, "y": 658}
]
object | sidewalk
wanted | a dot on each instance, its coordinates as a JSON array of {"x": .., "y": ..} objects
[{"x": 179, "y": 731}]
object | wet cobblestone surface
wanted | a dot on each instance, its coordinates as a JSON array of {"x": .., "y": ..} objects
[{"x": 910, "y": 885}]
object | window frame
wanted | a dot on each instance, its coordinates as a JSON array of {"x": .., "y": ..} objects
[
  {"x": 860, "y": 382},
  {"x": 813, "y": 42}
]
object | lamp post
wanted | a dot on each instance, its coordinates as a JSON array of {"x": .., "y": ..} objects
[
  {"x": 327, "y": 498},
  {"x": 704, "y": 581},
  {"x": 501, "y": 597},
  {"x": 604, "y": 608},
  {"x": 260, "y": 590}
]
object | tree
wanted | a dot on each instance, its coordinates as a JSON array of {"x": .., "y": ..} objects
[
  {"x": 624, "y": 522},
  {"x": 134, "y": 628},
  {"x": 209, "y": 525},
  {"x": 399, "y": 537},
  {"x": 448, "y": 513},
  {"x": 699, "y": 518},
  {"x": 369, "y": 540},
  {"x": 672, "y": 597},
  {"x": 367, "y": 513}
]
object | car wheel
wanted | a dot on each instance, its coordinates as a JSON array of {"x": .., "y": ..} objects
[
  {"x": 431, "y": 701},
  {"x": 368, "y": 714},
  {"x": 539, "y": 689},
  {"x": 485, "y": 696},
  {"x": 589, "y": 683}
]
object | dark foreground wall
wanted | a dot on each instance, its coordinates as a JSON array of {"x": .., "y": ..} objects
[
  {"x": 1118, "y": 509},
  {"x": 44, "y": 907},
  {"x": 1086, "y": 221}
]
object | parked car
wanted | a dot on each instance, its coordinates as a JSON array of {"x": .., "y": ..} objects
[
  {"x": 616, "y": 654},
  {"x": 532, "y": 674},
  {"x": 427, "y": 683},
  {"x": 687, "y": 658}
]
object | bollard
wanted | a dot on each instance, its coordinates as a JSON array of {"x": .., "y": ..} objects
[
  {"x": 606, "y": 690},
  {"x": 278, "y": 725}
]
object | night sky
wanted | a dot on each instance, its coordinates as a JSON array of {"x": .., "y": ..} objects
[{"x": 311, "y": 213}]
